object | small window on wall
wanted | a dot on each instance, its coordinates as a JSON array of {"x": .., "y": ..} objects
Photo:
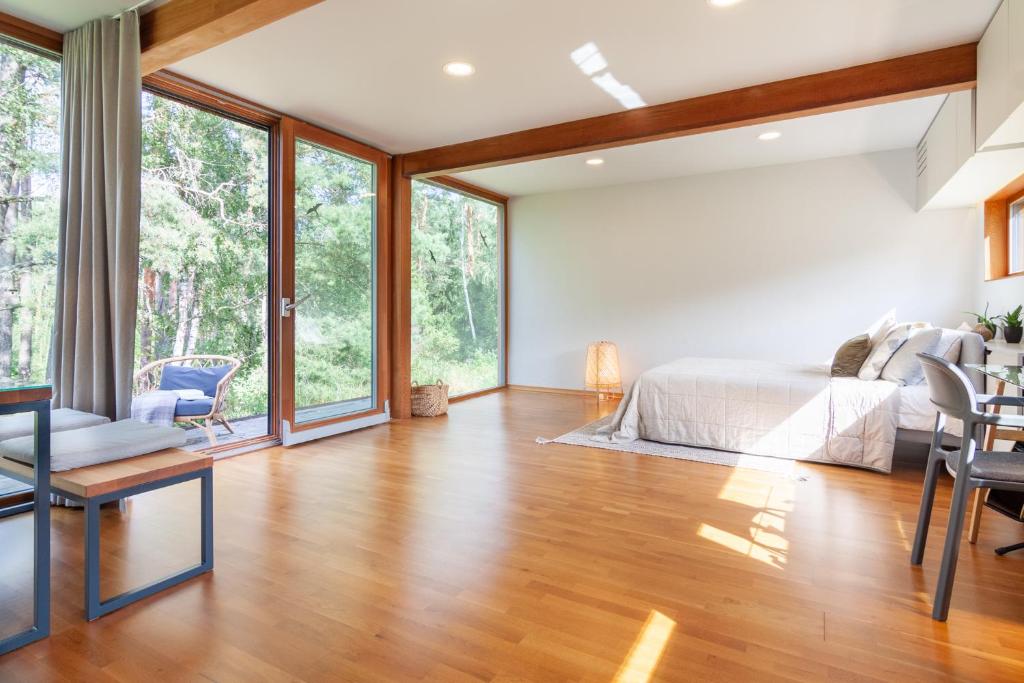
[
  {"x": 457, "y": 289},
  {"x": 1016, "y": 237}
]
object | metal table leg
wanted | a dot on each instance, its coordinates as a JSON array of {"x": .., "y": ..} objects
[{"x": 41, "y": 526}]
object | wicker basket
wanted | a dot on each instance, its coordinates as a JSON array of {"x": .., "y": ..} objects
[{"x": 429, "y": 400}]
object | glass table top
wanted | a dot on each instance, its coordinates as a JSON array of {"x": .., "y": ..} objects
[{"x": 1011, "y": 374}]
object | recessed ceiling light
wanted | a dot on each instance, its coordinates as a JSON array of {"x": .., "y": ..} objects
[
  {"x": 770, "y": 135},
  {"x": 596, "y": 161},
  {"x": 724, "y": 3},
  {"x": 459, "y": 69}
]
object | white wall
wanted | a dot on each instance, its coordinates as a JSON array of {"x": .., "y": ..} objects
[
  {"x": 782, "y": 262},
  {"x": 1000, "y": 295}
]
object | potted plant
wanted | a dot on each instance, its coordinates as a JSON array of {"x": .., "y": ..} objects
[
  {"x": 986, "y": 326},
  {"x": 1012, "y": 325}
]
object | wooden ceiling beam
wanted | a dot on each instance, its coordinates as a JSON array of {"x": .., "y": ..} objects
[
  {"x": 182, "y": 28},
  {"x": 927, "y": 73}
]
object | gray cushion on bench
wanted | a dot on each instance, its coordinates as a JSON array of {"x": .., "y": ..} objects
[
  {"x": 93, "y": 445},
  {"x": 61, "y": 420}
]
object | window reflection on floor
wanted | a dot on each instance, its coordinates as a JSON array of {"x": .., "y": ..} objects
[{"x": 642, "y": 661}]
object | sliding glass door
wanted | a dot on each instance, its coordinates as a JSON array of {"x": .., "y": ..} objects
[
  {"x": 204, "y": 269},
  {"x": 331, "y": 297}
]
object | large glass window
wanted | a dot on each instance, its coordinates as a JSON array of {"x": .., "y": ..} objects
[
  {"x": 335, "y": 283},
  {"x": 29, "y": 191},
  {"x": 457, "y": 296},
  {"x": 203, "y": 271}
]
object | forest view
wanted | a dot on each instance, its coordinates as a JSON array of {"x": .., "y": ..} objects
[
  {"x": 456, "y": 289},
  {"x": 205, "y": 243},
  {"x": 29, "y": 187},
  {"x": 335, "y": 196},
  {"x": 203, "y": 270}
]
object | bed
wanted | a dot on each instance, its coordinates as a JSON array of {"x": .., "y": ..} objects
[{"x": 792, "y": 411}]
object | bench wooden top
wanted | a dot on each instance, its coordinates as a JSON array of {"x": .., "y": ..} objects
[
  {"x": 96, "y": 480},
  {"x": 25, "y": 395}
]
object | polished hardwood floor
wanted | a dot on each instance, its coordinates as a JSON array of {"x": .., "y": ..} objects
[{"x": 457, "y": 549}]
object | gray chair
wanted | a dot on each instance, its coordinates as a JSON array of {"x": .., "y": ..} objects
[{"x": 953, "y": 395}]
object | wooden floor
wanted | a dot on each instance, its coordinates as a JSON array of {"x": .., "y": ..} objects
[{"x": 456, "y": 549}]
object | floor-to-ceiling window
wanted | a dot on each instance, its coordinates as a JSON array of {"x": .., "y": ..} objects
[
  {"x": 205, "y": 240},
  {"x": 457, "y": 288},
  {"x": 29, "y": 188},
  {"x": 333, "y": 274},
  {"x": 29, "y": 191}
]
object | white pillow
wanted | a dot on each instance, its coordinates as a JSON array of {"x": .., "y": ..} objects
[
  {"x": 880, "y": 329},
  {"x": 949, "y": 345},
  {"x": 880, "y": 354},
  {"x": 904, "y": 367}
]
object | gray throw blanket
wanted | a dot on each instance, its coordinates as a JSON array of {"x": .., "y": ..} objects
[{"x": 155, "y": 407}]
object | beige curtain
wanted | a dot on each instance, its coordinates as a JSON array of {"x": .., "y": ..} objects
[{"x": 93, "y": 352}]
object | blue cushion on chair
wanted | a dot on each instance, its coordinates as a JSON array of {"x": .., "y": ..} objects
[
  {"x": 182, "y": 377},
  {"x": 200, "y": 406}
]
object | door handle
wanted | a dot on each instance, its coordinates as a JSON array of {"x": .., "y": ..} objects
[{"x": 287, "y": 305}]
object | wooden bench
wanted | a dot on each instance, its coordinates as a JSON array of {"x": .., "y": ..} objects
[{"x": 98, "y": 484}]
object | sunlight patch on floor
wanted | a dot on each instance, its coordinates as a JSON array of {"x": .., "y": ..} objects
[
  {"x": 904, "y": 536},
  {"x": 764, "y": 547},
  {"x": 642, "y": 660}
]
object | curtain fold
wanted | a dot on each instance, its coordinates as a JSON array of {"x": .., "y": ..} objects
[{"x": 93, "y": 351}]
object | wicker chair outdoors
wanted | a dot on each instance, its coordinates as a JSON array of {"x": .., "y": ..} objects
[{"x": 148, "y": 378}]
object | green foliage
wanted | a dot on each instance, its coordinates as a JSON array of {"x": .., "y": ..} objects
[
  {"x": 1013, "y": 318},
  {"x": 29, "y": 187},
  {"x": 983, "y": 319},
  {"x": 456, "y": 289},
  {"x": 334, "y": 276},
  {"x": 205, "y": 243}
]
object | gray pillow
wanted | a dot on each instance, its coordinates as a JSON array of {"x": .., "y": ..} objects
[{"x": 851, "y": 355}]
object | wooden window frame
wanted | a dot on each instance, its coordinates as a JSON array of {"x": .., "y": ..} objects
[
  {"x": 30, "y": 34},
  {"x": 482, "y": 194},
  {"x": 292, "y": 130},
  {"x": 997, "y": 231}
]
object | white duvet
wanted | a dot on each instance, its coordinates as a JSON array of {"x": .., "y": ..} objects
[{"x": 781, "y": 410}]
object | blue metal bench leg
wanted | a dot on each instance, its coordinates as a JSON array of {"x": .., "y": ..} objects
[
  {"x": 92, "y": 558},
  {"x": 95, "y": 607},
  {"x": 207, "y": 519}
]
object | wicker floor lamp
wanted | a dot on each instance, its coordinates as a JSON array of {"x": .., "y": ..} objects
[{"x": 603, "y": 375}]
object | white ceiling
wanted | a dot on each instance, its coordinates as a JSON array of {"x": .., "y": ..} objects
[
  {"x": 373, "y": 68},
  {"x": 855, "y": 131}
]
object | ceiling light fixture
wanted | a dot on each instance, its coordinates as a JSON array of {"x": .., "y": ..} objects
[
  {"x": 596, "y": 161},
  {"x": 769, "y": 135},
  {"x": 724, "y": 3},
  {"x": 459, "y": 69}
]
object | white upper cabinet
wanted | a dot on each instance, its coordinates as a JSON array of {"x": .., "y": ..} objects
[
  {"x": 975, "y": 145},
  {"x": 1001, "y": 79},
  {"x": 946, "y": 147}
]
